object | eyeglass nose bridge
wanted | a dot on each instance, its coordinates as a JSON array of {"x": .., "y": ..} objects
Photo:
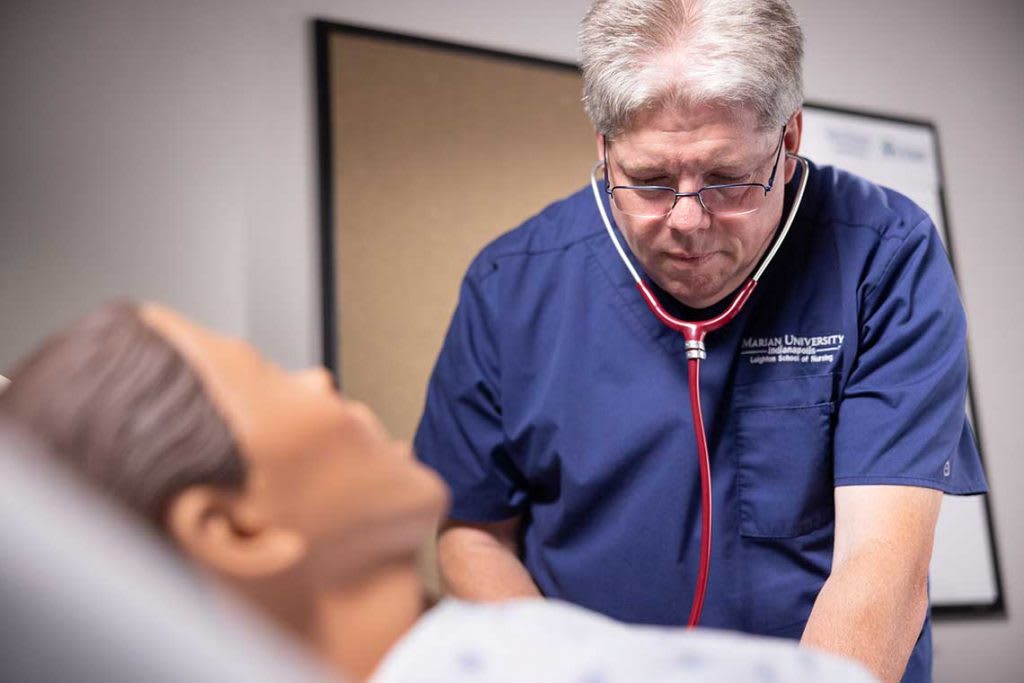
[{"x": 680, "y": 195}]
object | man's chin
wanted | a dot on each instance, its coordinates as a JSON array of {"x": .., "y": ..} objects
[
  {"x": 696, "y": 289},
  {"x": 697, "y": 294},
  {"x": 700, "y": 302}
]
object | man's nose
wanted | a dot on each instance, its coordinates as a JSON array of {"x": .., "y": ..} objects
[{"x": 688, "y": 215}]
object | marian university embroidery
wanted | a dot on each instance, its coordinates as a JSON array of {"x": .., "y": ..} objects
[{"x": 791, "y": 348}]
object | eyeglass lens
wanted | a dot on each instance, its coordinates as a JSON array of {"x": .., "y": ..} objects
[{"x": 653, "y": 202}]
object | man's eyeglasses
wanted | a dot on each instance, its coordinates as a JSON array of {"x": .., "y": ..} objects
[{"x": 655, "y": 201}]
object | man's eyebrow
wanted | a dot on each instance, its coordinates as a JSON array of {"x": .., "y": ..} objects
[
  {"x": 731, "y": 168},
  {"x": 638, "y": 169},
  {"x": 643, "y": 168},
  {"x": 737, "y": 161},
  {"x": 743, "y": 162}
]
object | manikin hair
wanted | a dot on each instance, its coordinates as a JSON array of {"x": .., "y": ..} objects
[
  {"x": 638, "y": 55},
  {"x": 119, "y": 404}
]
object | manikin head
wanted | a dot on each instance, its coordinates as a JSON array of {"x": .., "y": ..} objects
[
  {"x": 268, "y": 480},
  {"x": 687, "y": 94}
]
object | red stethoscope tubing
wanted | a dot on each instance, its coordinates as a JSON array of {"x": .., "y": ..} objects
[
  {"x": 704, "y": 457},
  {"x": 694, "y": 334}
]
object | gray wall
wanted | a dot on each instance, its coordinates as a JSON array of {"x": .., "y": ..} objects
[{"x": 166, "y": 150}]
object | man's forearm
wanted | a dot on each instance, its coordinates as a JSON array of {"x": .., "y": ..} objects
[
  {"x": 477, "y": 566},
  {"x": 862, "y": 612}
]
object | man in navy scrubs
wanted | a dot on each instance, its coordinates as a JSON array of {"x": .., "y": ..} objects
[{"x": 834, "y": 403}]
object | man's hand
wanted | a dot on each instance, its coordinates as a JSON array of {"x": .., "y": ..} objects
[
  {"x": 481, "y": 561},
  {"x": 873, "y": 605}
]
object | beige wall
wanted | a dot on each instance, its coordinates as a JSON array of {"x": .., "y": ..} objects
[
  {"x": 458, "y": 148},
  {"x": 166, "y": 150}
]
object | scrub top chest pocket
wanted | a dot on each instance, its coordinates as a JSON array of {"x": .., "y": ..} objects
[{"x": 783, "y": 454}]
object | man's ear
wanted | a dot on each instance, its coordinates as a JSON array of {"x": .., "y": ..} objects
[
  {"x": 600, "y": 144},
  {"x": 794, "y": 132},
  {"x": 224, "y": 532}
]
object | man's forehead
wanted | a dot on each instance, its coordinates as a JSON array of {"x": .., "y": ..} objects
[
  {"x": 722, "y": 152},
  {"x": 704, "y": 134},
  {"x": 680, "y": 116}
]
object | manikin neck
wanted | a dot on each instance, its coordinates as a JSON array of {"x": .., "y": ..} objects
[
  {"x": 354, "y": 626},
  {"x": 349, "y": 625}
]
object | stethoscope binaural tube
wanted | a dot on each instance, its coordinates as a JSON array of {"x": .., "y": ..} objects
[{"x": 693, "y": 334}]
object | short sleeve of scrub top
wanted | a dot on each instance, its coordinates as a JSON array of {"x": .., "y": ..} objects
[
  {"x": 909, "y": 377},
  {"x": 463, "y": 413}
]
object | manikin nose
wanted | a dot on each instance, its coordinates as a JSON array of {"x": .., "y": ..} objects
[{"x": 317, "y": 378}]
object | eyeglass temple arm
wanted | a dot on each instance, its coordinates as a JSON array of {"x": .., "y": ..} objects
[{"x": 775, "y": 168}]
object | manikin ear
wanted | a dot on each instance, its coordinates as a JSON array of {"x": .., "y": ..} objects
[
  {"x": 794, "y": 130},
  {"x": 226, "y": 533}
]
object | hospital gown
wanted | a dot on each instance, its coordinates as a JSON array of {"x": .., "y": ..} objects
[{"x": 541, "y": 641}]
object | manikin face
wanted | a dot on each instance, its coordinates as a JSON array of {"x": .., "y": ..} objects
[
  {"x": 319, "y": 466},
  {"x": 697, "y": 257}
]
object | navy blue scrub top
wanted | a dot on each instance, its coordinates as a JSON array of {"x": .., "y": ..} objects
[{"x": 558, "y": 396}]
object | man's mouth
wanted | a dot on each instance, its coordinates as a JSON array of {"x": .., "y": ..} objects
[{"x": 690, "y": 258}]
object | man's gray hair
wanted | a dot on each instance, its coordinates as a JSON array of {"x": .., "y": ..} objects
[{"x": 640, "y": 54}]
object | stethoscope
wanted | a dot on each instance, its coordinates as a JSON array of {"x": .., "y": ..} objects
[{"x": 694, "y": 333}]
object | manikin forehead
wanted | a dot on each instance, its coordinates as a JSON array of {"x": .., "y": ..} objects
[
  {"x": 678, "y": 139},
  {"x": 232, "y": 372}
]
